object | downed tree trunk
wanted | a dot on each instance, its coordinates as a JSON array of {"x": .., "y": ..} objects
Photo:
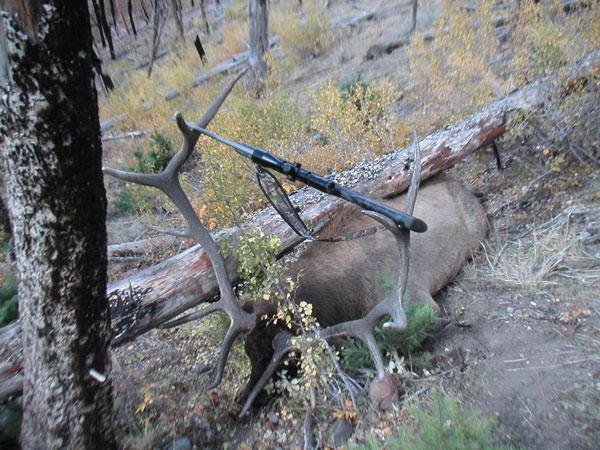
[
  {"x": 140, "y": 247},
  {"x": 159, "y": 293}
]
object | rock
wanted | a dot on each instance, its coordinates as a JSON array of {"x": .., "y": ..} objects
[
  {"x": 273, "y": 417},
  {"x": 182, "y": 443},
  {"x": 339, "y": 432},
  {"x": 384, "y": 393}
]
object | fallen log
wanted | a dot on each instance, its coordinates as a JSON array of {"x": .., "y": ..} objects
[
  {"x": 159, "y": 293},
  {"x": 140, "y": 247}
]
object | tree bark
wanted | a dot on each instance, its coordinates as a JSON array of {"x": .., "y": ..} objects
[
  {"x": 51, "y": 159},
  {"x": 259, "y": 45}
]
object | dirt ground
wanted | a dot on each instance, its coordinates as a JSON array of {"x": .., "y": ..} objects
[
  {"x": 531, "y": 351},
  {"x": 523, "y": 341}
]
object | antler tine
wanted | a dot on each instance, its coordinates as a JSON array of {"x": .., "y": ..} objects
[
  {"x": 216, "y": 104},
  {"x": 392, "y": 304},
  {"x": 415, "y": 180},
  {"x": 168, "y": 182},
  {"x": 191, "y": 317},
  {"x": 147, "y": 179}
]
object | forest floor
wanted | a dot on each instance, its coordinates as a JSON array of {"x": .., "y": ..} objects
[{"x": 522, "y": 346}]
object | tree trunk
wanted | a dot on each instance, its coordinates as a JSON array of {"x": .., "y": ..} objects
[
  {"x": 259, "y": 45},
  {"x": 204, "y": 17},
  {"x": 158, "y": 22},
  {"x": 107, "y": 31},
  {"x": 413, "y": 28},
  {"x": 51, "y": 158},
  {"x": 178, "y": 17}
]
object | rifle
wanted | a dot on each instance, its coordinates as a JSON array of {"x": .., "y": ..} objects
[{"x": 295, "y": 172}]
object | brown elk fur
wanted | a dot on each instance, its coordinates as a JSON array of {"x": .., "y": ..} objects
[{"x": 343, "y": 280}]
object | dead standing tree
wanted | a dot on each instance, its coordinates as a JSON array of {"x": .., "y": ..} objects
[
  {"x": 259, "y": 44},
  {"x": 177, "y": 9},
  {"x": 51, "y": 159},
  {"x": 159, "y": 18}
]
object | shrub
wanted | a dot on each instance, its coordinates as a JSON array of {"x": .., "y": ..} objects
[
  {"x": 161, "y": 152},
  {"x": 545, "y": 37},
  {"x": 441, "y": 426},
  {"x": 459, "y": 59},
  {"x": 420, "y": 318},
  {"x": 304, "y": 32},
  {"x": 258, "y": 267},
  {"x": 477, "y": 62},
  {"x": 356, "y": 92},
  {"x": 354, "y": 123},
  {"x": 133, "y": 199}
]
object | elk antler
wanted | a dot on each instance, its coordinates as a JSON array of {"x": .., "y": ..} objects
[
  {"x": 362, "y": 328},
  {"x": 168, "y": 182}
]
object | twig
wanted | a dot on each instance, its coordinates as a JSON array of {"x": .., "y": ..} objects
[
  {"x": 307, "y": 430},
  {"x": 416, "y": 394},
  {"x": 346, "y": 379},
  {"x": 127, "y": 135},
  {"x": 556, "y": 366},
  {"x": 442, "y": 388}
]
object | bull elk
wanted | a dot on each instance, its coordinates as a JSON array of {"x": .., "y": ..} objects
[{"x": 341, "y": 280}]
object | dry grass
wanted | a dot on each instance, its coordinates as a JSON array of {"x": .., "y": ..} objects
[
  {"x": 234, "y": 38},
  {"x": 541, "y": 255},
  {"x": 303, "y": 30}
]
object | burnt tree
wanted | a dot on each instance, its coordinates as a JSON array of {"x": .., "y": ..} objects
[
  {"x": 51, "y": 161},
  {"x": 259, "y": 45}
]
